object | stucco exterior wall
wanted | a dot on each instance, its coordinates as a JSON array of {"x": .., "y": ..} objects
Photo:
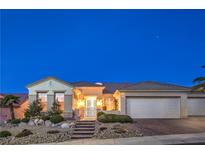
[
  {"x": 19, "y": 111},
  {"x": 50, "y": 87},
  {"x": 4, "y": 114},
  {"x": 91, "y": 91}
]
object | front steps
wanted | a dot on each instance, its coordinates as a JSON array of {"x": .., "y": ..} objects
[{"x": 83, "y": 129}]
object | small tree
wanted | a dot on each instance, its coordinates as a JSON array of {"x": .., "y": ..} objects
[
  {"x": 200, "y": 86},
  {"x": 34, "y": 109},
  {"x": 55, "y": 109},
  {"x": 9, "y": 101}
]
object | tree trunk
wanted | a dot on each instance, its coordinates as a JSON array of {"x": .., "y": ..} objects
[{"x": 12, "y": 111}]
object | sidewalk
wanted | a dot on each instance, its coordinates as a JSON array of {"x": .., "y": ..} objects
[{"x": 147, "y": 140}]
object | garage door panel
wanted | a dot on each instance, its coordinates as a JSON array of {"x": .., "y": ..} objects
[
  {"x": 153, "y": 107},
  {"x": 196, "y": 106}
]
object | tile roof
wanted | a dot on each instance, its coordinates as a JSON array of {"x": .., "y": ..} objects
[
  {"x": 112, "y": 87},
  {"x": 86, "y": 84},
  {"x": 151, "y": 85}
]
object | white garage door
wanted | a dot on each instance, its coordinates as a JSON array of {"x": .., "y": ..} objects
[
  {"x": 153, "y": 107},
  {"x": 196, "y": 106}
]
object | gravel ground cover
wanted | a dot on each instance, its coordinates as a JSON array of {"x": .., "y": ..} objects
[
  {"x": 39, "y": 135},
  {"x": 116, "y": 130}
]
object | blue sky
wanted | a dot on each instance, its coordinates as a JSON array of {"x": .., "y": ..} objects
[{"x": 101, "y": 45}]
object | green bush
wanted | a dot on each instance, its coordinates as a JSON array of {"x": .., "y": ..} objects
[
  {"x": 53, "y": 131},
  {"x": 5, "y": 133},
  {"x": 25, "y": 132},
  {"x": 56, "y": 119},
  {"x": 100, "y": 113},
  {"x": 109, "y": 118},
  {"x": 26, "y": 120},
  {"x": 45, "y": 117},
  {"x": 15, "y": 121}
]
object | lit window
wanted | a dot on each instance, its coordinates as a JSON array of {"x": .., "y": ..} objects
[
  {"x": 42, "y": 97},
  {"x": 59, "y": 97}
]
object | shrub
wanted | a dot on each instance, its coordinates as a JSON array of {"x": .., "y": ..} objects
[
  {"x": 55, "y": 109},
  {"x": 108, "y": 118},
  {"x": 26, "y": 120},
  {"x": 5, "y": 133},
  {"x": 45, "y": 117},
  {"x": 53, "y": 131},
  {"x": 34, "y": 110},
  {"x": 25, "y": 132},
  {"x": 100, "y": 113},
  {"x": 56, "y": 119},
  {"x": 15, "y": 121}
]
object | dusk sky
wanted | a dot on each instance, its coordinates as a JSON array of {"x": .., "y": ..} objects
[{"x": 101, "y": 46}]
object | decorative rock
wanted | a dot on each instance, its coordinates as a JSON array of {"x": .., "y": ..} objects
[
  {"x": 22, "y": 124},
  {"x": 65, "y": 125},
  {"x": 36, "y": 121},
  {"x": 31, "y": 123},
  {"x": 48, "y": 123},
  {"x": 40, "y": 122},
  {"x": 53, "y": 125}
]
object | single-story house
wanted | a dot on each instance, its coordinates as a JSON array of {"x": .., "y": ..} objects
[{"x": 138, "y": 100}]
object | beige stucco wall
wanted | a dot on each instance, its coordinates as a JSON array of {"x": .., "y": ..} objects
[
  {"x": 91, "y": 91},
  {"x": 19, "y": 111},
  {"x": 52, "y": 86}
]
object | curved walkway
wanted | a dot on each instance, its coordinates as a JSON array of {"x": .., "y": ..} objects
[{"x": 147, "y": 140}]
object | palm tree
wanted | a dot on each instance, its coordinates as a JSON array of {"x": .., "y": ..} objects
[
  {"x": 10, "y": 100},
  {"x": 200, "y": 87}
]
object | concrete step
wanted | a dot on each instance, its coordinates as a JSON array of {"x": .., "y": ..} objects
[
  {"x": 81, "y": 136},
  {"x": 84, "y": 129},
  {"x": 83, "y": 132},
  {"x": 85, "y": 123},
  {"x": 85, "y": 126}
]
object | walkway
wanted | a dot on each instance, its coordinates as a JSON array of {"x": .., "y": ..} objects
[{"x": 147, "y": 140}]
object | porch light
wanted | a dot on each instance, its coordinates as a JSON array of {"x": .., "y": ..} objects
[
  {"x": 99, "y": 104},
  {"x": 80, "y": 104}
]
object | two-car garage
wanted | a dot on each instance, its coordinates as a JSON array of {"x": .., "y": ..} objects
[
  {"x": 153, "y": 107},
  {"x": 161, "y": 100}
]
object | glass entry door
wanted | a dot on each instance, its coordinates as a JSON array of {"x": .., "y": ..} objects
[{"x": 90, "y": 108}]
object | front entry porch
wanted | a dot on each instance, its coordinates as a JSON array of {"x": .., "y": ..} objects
[
  {"x": 90, "y": 108},
  {"x": 86, "y": 105}
]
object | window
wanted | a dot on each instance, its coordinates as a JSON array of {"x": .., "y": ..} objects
[
  {"x": 59, "y": 97},
  {"x": 42, "y": 97}
]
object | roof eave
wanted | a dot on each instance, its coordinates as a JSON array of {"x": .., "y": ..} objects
[
  {"x": 154, "y": 90},
  {"x": 48, "y": 78}
]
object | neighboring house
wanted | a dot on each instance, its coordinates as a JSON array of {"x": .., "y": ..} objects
[
  {"x": 138, "y": 100},
  {"x": 19, "y": 109}
]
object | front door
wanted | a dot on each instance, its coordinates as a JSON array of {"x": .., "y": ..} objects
[{"x": 90, "y": 108}]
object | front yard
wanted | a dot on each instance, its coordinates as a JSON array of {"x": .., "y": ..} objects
[
  {"x": 40, "y": 134},
  {"x": 60, "y": 132}
]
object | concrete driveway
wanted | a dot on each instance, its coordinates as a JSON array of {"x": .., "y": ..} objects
[{"x": 171, "y": 126}]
